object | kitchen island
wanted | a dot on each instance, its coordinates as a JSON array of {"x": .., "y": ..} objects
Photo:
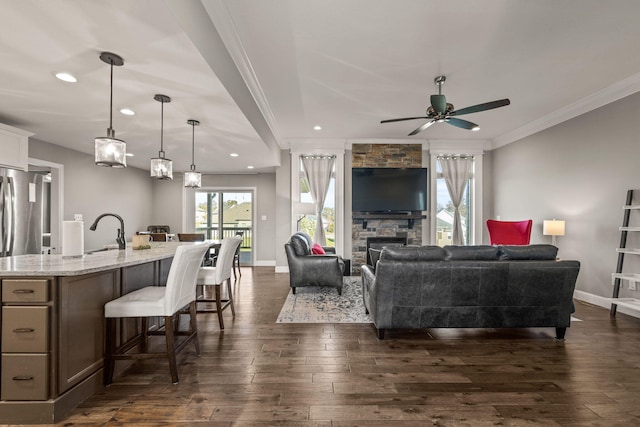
[{"x": 53, "y": 325}]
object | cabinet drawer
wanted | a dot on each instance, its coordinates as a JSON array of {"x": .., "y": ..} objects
[
  {"x": 25, "y": 290},
  {"x": 24, "y": 377},
  {"x": 25, "y": 329}
]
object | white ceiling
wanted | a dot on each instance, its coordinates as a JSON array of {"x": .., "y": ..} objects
[{"x": 259, "y": 75}]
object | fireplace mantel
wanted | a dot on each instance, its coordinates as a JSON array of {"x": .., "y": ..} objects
[{"x": 410, "y": 217}]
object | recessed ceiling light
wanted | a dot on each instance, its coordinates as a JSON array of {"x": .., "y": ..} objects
[
  {"x": 249, "y": 167},
  {"x": 317, "y": 127},
  {"x": 475, "y": 129},
  {"x": 234, "y": 154},
  {"x": 129, "y": 154},
  {"x": 127, "y": 112},
  {"x": 66, "y": 77}
]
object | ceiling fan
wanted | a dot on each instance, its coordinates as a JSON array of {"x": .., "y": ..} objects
[{"x": 441, "y": 111}]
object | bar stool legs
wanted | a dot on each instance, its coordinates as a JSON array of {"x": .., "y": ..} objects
[{"x": 113, "y": 352}]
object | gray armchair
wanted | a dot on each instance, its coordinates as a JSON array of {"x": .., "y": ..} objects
[{"x": 306, "y": 269}]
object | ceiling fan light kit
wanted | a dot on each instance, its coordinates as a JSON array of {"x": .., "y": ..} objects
[
  {"x": 161, "y": 167},
  {"x": 110, "y": 151},
  {"x": 440, "y": 111}
]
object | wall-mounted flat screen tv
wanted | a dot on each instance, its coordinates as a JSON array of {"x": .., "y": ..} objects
[{"x": 389, "y": 189}]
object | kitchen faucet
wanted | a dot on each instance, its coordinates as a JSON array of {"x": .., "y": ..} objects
[{"x": 120, "y": 239}]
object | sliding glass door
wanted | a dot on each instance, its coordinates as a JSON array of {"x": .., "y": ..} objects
[{"x": 221, "y": 214}]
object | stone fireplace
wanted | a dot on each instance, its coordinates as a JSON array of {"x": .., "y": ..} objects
[{"x": 395, "y": 230}]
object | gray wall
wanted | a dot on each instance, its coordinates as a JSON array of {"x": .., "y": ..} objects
[
  {"x": 578, "y": 171},
  {"x": 130, "y": 193},
  {"x": 168, "y": 199},
  {"x": 92, "y": 190},
  {"x": 167, "y": 203}
]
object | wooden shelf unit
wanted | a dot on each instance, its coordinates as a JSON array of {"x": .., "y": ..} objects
[{"x": 620, "y": 275}]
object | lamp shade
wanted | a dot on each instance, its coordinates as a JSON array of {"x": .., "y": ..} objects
[
  {"x": 193, "y": 179},
  {"x": 110, "y": 152},
  {"x": 161, "y": 168},
  {"x": 553, "y": 227}
]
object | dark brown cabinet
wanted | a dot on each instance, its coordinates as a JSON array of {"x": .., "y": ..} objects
[
  {"x": 26, "y": 343},
  {"x": 53, "y": 335}
]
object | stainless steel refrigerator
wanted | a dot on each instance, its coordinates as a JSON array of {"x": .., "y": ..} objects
[{"x": 22, "y": 200}]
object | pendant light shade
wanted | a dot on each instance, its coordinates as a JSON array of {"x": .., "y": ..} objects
[
  {"x": 110, "y": 151},
  {"x": 161, "y": 167},
  {"x": 193, "y": 178}
]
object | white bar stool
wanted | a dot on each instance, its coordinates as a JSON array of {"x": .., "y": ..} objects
[
  {"x": 216, "y": 276},
  {"x": 164, "y": 301}
]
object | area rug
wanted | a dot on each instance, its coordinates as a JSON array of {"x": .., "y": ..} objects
[{"x": 320, "y": 304}]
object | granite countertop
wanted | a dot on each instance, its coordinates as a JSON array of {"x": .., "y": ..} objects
[{"x": 57, "y": 265}]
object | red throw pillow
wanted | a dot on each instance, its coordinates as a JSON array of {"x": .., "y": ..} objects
[{"x": 316, "y": 249}]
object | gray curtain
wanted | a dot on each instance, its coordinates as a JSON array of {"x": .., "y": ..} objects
[
  {"x": 456, "y": 172},
  {"x": 318, "y": 172}
]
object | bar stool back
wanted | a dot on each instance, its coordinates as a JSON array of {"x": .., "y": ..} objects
[
  {"x": 216, "y": 276},
  {"x": 164, "y": 301}
]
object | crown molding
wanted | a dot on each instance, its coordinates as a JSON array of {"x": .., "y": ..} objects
[
  {"x": 605, "y": 96},
  {"x": 319, "y": 146}
]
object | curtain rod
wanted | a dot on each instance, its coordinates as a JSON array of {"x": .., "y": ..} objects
[
  {"x": 455, "y": 156},
  {"x": 318, "y": 156}
]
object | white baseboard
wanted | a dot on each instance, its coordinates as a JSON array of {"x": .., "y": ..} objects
[
  {"x": 264, "y": 263},
  {"x": 603, "y": 302},
  {"x": 282, "y": 269}
]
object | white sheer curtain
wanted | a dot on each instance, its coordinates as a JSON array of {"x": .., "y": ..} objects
[
  {"x": 456, "y": 172},
  {"x": 318, "y": 171}
]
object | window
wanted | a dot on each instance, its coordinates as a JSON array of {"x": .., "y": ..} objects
[
  {"x": 334, "y": 208},
  {"x": 445, "y": 210},
  {"x": 307, "y": 222}
]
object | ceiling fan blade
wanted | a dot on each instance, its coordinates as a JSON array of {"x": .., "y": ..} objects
[
  {"x": 482, "y": 107},
  {"x": 464, "y": 124},
  {"x": 439, "y": 103},
  {"x": 423, "y": 127},
  {"x": 404, "y": 118}
]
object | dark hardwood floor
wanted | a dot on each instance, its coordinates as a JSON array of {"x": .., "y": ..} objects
[{"x": 259, "y": 373}]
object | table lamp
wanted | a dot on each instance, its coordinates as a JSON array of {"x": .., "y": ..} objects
[{"x": 553, "y": 227}]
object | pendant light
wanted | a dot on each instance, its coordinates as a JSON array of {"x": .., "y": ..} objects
[
  {"x": 161, "y": 168},
  {"x": 109, "y": 150},
  {"x": 192, "y": 178}
]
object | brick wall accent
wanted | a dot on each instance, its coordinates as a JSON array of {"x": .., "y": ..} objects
[{"x": 383, "y": 156}]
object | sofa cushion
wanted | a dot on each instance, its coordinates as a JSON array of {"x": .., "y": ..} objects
[
  {"x": 413, "y": 253},
  {"x": 316, "y": 249},
  {"x": 528, "y": 252},
  {"x": 472, "y": 253}
]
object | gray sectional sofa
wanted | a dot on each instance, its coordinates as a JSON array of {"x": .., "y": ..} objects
[{"x": 470, "y": 287}]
